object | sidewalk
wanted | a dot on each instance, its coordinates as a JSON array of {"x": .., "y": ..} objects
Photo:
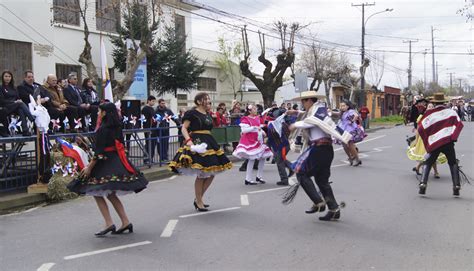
[{"x": 22, "y": 200}]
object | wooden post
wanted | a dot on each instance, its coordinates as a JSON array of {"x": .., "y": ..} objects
[{"x": 38, "y": 187}]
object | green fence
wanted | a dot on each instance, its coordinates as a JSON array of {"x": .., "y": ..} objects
[{"x": 226, "y": 134}]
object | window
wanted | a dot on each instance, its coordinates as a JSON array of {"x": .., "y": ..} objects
[
  {"x": 182, "y": 100},
  {"x": 63, "y": 70},
  {"x": 206, "y": 84},
  {"x": 66, "y": 11},
  {"x": 180, "y": 29},
  {"x": 107, "y": 14},
  {"x": 16, "y": 57}
]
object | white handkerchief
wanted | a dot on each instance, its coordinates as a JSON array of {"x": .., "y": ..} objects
[{"x": 200, "y": 148}]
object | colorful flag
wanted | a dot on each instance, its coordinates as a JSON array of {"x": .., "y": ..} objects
[
  {"x": 74, "y": 152},
  {"x": 105, "y": 73}
]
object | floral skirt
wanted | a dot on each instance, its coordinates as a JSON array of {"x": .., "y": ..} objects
[{"x": 108, "y": 176}]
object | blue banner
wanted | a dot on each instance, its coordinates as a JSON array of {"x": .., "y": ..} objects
[{"x": 139, "y": 88}]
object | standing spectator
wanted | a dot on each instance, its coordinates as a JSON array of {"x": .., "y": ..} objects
[
  {"x": 218, "y": 118},
  {"x": 163, "y": 134},
  {"x": 235, "y": 113},
  {"x": 469, "y": 112},
  {"x": 72, "y": 93},
  {"x": 288, "y": 106},
  {"x": 52, "y": 98},
  {"x": 148, "y": 111},
  {"x": 10, "y": 101},
  {"x": 364, "y": 114},
  {"x": 27, "y": 87}
]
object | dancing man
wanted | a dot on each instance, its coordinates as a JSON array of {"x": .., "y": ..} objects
[{"x": 439, "y": 128}]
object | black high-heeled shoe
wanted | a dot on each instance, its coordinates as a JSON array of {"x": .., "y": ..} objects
[
  {"x": 357, "y": 162},
  {"x": 104, "y": 232},
  {"x": 259, "y": 180},
  {"x": 250, "y": 183},
  {"x": 129, "y": 227},
  {"x": 198, "y": 208},
  {"x": 320, "y": 207},
  {"x": 331, "y": 215},
  {"x": 205, "y": 205},
  {"x": 417, "y": 171}
]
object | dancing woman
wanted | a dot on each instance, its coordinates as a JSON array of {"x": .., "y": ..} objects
[
  {"x": 251, "y": 145},
  {"x": 109, "y": 173},
  {"x": 348, "y": 123},
  {"x": 195, "y": 157}
]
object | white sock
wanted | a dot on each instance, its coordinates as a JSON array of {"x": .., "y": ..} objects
[
  {"x": 261, "y": 164},
  {"x": 248, "y": 175}
]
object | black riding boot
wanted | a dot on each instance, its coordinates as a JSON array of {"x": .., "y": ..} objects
[
  {"x": 308, "y": 186},
  {"x": 243, "y": 167},
  {"x": 455, "y": 177},
  {"x": 424, "y": 179}
]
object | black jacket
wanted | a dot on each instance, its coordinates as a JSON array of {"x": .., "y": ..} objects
[
  {"x": 72, "y": 95},
  {"x": 25, "y": 90},
  {"x": 88, "y": 97},
  {"x": 8, "y": 98}
]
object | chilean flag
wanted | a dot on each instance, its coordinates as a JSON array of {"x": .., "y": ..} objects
[
  {"x": 438, "y": 127},
  {"x": 74, "y": 152}
]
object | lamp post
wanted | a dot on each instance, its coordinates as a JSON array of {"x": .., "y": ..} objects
[{"x": 362, "y": 100}]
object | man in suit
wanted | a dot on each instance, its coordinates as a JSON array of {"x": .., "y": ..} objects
[
  {"x": 27, "y": 87},
  {"x": 72, "y": 93}
]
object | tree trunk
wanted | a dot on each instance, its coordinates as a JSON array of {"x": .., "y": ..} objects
[
  {"x": 327, "y": 86},
  {"x": 268, "y": 95},
  {"x": 134, "y": 61}
]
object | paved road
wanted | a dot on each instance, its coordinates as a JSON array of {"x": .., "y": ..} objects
[{"x": 385, "y": 226}]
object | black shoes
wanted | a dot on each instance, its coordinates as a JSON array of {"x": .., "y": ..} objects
[
  {"x": 416, "y": 171},
  {"x": 356, "y": 163},
  {"x": 422, "y": 189},
  {"x": 331, "y": 215},
  {"x": 250, "y": 183},
  {"x": 456, "y": 190},
  {"x": 259, "y": 180},
  {"x": 104, "y": 232},
  {"x": 283, "y": 183},
  {"x": 128, "y": 228},
  {"x": 199, "y": 209},
  {"x": 320, "y": 207}
]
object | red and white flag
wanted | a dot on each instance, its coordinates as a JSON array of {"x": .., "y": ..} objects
[
  {"x": 438, "y": 127},
  {"x": 74, "y": 152}
]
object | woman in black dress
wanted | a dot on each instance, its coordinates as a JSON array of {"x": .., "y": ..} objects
[
  {"x": 196, "y": 129},
  {"x": 11, "y": 102},
  {"x": 110, "y": 173}
]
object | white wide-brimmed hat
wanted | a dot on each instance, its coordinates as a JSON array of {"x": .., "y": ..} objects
[{"x": 309, "y": 94}]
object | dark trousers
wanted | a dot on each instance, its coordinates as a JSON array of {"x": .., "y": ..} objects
[
  {"x": 320, "y": 169},
  {"x": 150, "y": 143},
  {"x": 281, "y": 166},
  {"x": 447, "y": 149},
  {"x": 162, "y": 144}
]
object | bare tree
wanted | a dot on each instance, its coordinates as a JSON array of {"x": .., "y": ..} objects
[
  {"x": 140, "y": 34},
  {"x": 272, "y": 77},
  {"x": 466, "y": 10},
  {"x": 326, "y": 66},
  {"x": 86, "y": 57}
]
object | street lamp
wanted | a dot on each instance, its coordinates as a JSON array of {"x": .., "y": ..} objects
[{"x": 362, "y": 100}]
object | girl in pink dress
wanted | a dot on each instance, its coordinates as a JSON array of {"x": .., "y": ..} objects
[{"x": 251, "y": 144}]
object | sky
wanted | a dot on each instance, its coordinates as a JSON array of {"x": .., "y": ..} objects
[{"x": 338, "y": 24}]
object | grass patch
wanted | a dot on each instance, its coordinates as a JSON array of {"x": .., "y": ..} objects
[{"x": 388, "y": 119}]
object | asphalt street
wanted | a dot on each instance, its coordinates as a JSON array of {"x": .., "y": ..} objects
[{"x": 386, "y": 225}]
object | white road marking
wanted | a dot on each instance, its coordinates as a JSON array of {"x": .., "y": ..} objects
[
  {"x": 267, "y": 190},
  {"x": 340, "y": 165},
  {"x": 168, "y": 231},
  {"x": 165, "y": 180},
  {"x": 172, "y": 177},
  {"x": 23, "y": 212},
  {"x": 370, "y": 139},
  {"x": 45, "y": 267},
  {"x": 244, "y": 200},
  {"x": 71, "y": 257},
  {"x": 210, "y": 212}
]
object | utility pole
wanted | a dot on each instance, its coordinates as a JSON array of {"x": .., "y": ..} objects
[
  {"x": 409, "y": 61},
  {"x": 435, "y": 79},
  {"x": 451, "y": 81},
  {"x": 362, "y": 79},
  {"x": 436, "y": 72},
  {"x": 461, "y": 90},
  {"x": 424, "y": 69}
]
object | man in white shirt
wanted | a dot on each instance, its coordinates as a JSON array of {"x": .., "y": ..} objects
[{"x": 316, "y": 158}]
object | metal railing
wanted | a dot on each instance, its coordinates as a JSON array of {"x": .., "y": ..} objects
[{"x": 146, "y": 148}]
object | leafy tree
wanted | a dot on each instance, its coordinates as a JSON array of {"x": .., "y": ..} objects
[{"x": 230, "y": 53}]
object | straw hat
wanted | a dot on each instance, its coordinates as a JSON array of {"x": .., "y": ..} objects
[
  {"x": 309, "y": 94},
  {"x": 438, "y": 98}
]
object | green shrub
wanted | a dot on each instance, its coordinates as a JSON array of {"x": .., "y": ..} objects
[{"x": 391, "y": 119}]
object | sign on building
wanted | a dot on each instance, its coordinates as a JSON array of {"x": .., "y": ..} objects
[{"x": 139, "y": 87}]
